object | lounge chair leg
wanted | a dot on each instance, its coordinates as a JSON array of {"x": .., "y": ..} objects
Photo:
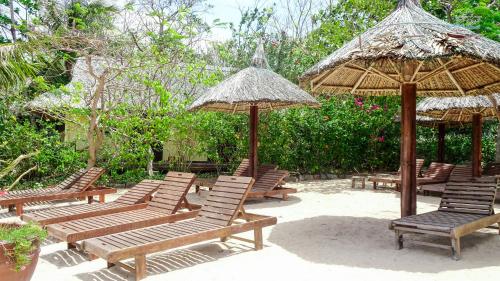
[
  {"x": 455, "y": 248},
  {"x": 71, "y": 246},
  {"x": 11, "y": 208},
  {"x": 374, "y": 185},
  {"x": 19, "y": 209},
  {"x": 258, "y": 238},
  {"x": 90, "y": 199},
  {"x": 110, "y": 264},
  {"x": 223, "y": 239},
  {"x": 140, "y": 267},
  {"x": 399, "y": 240},
  {"x": 91, "y": 257},
  {"x": 285, "y": 197},
  {"x": 102, "y": 198}
]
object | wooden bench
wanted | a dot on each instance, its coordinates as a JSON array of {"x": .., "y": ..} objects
[
  {"x": 134, "y": 198},
  {"x": 393, "y": 178},
  {"x": 77, "y": 186},
  {"x": 163, "y": 208},
  {"x": 465, "y": 208},
  {"x": 221, "y": 217}
]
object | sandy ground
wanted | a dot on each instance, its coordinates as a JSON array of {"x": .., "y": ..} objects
[{"x": 327, "y": 231}]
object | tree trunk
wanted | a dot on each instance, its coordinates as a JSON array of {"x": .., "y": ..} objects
[
  {"x": 13, "y": 21},
  {"x": 150, "y": 162}
]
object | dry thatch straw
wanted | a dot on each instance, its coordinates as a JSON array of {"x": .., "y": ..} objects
[
  {"x": 458, "y": 109},
  {"x": 430, "y": 122},
  {"x": 255, "y": 85},
  {"x": 450, "y": 60}
]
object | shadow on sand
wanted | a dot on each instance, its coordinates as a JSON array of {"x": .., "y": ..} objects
[
  {"x": 65, "y": 258},
  {"x": 368, "y": 243},
  {"x": 170, "y": 261}
]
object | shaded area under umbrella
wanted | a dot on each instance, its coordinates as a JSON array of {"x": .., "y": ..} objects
[
  {"x": 250, "y": 90},
  {"x": 410, "y": 53}
]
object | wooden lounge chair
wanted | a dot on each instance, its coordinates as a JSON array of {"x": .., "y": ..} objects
[
  {"x": 460, "y": 173},
  {"x": 465, "y": 208},
  {"x": 269, "y": 182},
  {"x": 436, "y": 173},
  {"x": 163, "y": 208},
  {"x": 393, "y": 178},
  {"x": 79, "y": 185},
  {"x": 492, "y": 169},
  {"x": 217, "y": 219},
  {"x": 134, "y": 198}
]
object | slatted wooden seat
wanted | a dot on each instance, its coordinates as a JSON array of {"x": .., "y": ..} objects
[
  {"x": 219, "y": 218},
  {"x": 163, "y": 208},
  {"x": 436, "y": 173},
  {"x": 269, "y": 184},
  {"x": 460, "y": 173},
  {"x": 393, "y": 178},
  {"x": 134, "y": 198},
  {"x": 465, "y": 208},
  {"x": 77, "y": 186}
]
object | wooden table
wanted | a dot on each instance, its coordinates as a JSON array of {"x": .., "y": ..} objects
[{"x": 358, "y": 178}]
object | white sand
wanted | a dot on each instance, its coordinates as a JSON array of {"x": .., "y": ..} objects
[{"x": 326, "y": 232}]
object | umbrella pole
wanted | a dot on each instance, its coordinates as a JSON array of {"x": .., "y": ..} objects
[
  {"x": 441, "y": 135},
  {"x": 408, "y": 150},
  {"x": 476, "y": 145},
  {"x": 254, "y": 120}
]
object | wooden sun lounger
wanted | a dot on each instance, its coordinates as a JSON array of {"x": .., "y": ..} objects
[
  {"x": 75, "y": 187},
  {"x": 217, "y": 219},
  {"x": 393, "y": 178},
  {"x": 460, "y": 173},
  {"x": 163, "y": 208},
  {"x": 436, "y": 173},
  {"x": 269, "y": 182},
  {"x": 134, "y": 198},
  {"x": 270, "y": 185},
  {"x": 465, "y": 208}
]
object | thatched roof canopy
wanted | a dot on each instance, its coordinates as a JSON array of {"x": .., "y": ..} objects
[
  {"x": 255, "y": 85},
  {"x": 459, "y": 109},
  {"x": 430, "y": 122},
  {"x": 449, "y": 60}
]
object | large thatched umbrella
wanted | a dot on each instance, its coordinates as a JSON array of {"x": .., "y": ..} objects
[
  {"x": 410, "y": 52},
  {"x": 466, "y": 110},
  {"x": 252, "y": 89}
]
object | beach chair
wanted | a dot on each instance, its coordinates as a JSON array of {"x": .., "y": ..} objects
[
  {"x": 465, "y": 208},
  {"x": 436, "y": 173},
  {"x": 77, "y": 186},
  {"x": 221, "y": 217},
  {"x": 492, "y": 169},
  {"x": 134, "y": 198},
  {"x": 460, "y": 173},
  {"x": 393, "y": 178},
  {"x": 164, "y": 207},
  {"x": 269, "y": 182}
]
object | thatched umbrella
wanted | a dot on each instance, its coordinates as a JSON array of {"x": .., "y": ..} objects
[
  {"x": 466, "y": 110},
  {"x": 408, "y": 53},
  {"x": 252, "y": 89}
]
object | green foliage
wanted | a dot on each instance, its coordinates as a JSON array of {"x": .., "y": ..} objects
[{"x": 25, "y": 239}]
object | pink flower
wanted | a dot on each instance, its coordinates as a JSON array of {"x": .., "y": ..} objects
[
  {"x": 358, "y": 102},
  {"x": 375, "y": 107},
  {"x": 381, "y": 139}
]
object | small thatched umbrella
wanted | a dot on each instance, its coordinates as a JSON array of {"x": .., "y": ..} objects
[
  {"x": 408, "y": 53},
  {"x": 253, "y": 88},
  {"x": 466, "y": 110}
]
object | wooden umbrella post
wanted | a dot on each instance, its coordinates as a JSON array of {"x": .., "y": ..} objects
[
  {"x": 408, "y": 150},
  {"x": 440, "y": 148},
  {"x": 476, "y": 145},
  {"x": 254, "y": 121}
]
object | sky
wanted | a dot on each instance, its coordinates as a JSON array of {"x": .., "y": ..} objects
[{"x": 227, "y": 11}]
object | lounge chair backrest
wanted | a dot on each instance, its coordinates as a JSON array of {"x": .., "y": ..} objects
[
  {"x": 172, "y": 192},
  {"x": 69, "y": 181},
  {"x": 461, "y": 173},
  {"x": 139, "y": 192},
  {"x": 476, "y": 196},
  {"x": 86, "y": 180},
  {"x": 419, "y": 165},
  {"x": 492, "y": 169},
  {"x": 243, "y": 169},
  {"x": 270, "y": 179},
  {"x": 225, "y": 199},
  {"x": 439, "y": 171}
]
